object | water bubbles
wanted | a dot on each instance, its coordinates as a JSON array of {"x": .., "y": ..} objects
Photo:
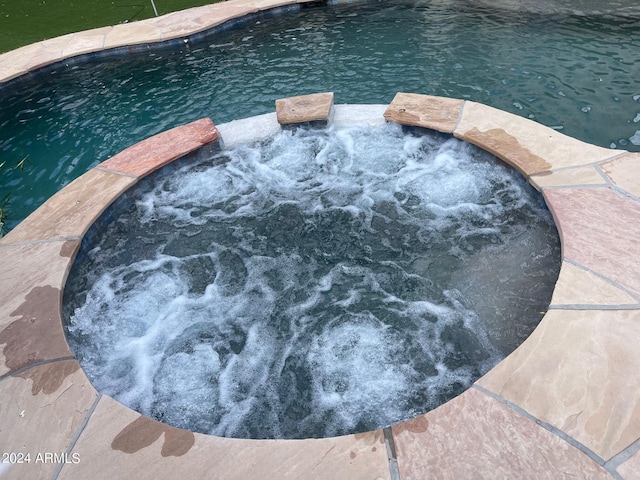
[{"x": 320, "y": 283}]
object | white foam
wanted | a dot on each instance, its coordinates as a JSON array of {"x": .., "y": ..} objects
[{"x": 323, "y": 303}]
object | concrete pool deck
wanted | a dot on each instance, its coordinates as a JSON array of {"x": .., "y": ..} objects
[{"x": 565, "y": 404}]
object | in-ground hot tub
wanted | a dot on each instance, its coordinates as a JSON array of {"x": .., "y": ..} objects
[
  {"x": 569, "y": 378},
  {"x": 315, "y": 283}
]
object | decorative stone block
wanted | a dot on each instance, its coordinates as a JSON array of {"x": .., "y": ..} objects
[
  {"x": 436, "y": 113},
  {"x": 577, "y": 286},
  {"x": 154, "y": 152},
  {"x": 587, "y": 175},
  {"x": 315, "y": 108}
]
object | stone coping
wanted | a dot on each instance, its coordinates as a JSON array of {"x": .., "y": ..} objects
[
  {"x": 172, "y": 26},
  {"x": 566, "y": 403}
]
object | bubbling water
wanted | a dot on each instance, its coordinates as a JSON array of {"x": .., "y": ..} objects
[{"x": 322, "y": 282}]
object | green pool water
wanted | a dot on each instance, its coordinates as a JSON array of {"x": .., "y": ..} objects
[{"x": 573, "y": 72}]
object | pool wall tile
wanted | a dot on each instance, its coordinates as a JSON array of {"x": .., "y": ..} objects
[
  {"x": 31, "y": 281},
  {"x": 425, "y": 111},
  {"x": 70, "y": 212},
  {"x": 586, "y": 175},
  {"x": 530, "y": 147},
  {"x": 120, "y": 441},
  {"x": 587, "y": 218},
  {"x": 479, "y": 437},
  {"x": 42, "y": 409},
  {"x": 624, "y": 172},
  {"x": 577, "y": 286},
  {"x": 579, "y": 371},
  {"x": 148, "y": 155}
]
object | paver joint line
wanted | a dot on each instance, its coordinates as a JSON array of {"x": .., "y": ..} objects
[
  {"x": 124, "y": 174},
  {"x": 77, "y": 435},
  {"x": 33, "y": 242},
  {"x": 14, "y": 373},
  {"x": 390, "y": 445},
  {"x": 555, "y": 431},
  {"x": 460, "y": 114}
]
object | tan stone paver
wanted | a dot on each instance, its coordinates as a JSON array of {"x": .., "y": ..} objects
[
  {"x": 42, "y": 409},
  {"x": 31, "y": 281},
  {"x": 624, "y": 172},
  {"x": 630, "y": 470},
  {"x": 425, "y": 111},
  {"x": 119, "y": 441},
  {"x": 19, "y": 58},
  {"x": 71, "y": 211},
  {"x": 304, "y": 108},
  {"x": 86, "y": 42},
  {"x": 578, "y": 371},
  {"x": 132, "y": 34},
  {"x": 219, "y": 13},
  {"x": 577, "y": 286},
  {"x": 599, "y": 229},
  {"x": 8, "y": 72},
  {"x": 530, "y": 147},
  {"x": 476, "y": 437},
  {"x": 587, "y": 175}
]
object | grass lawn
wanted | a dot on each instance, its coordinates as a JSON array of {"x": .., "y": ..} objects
[{"x": 27, "y": 21}]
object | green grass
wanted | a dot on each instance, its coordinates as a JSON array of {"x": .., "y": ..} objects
[{"x": 26, "y": 21}]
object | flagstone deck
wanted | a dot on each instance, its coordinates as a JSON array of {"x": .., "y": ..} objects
[{"x": 565, "y": 404}]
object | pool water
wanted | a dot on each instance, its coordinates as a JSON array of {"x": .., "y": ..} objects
[
  {"x": 575, "y": 73},
  {"x": 320, "y": 283}
]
